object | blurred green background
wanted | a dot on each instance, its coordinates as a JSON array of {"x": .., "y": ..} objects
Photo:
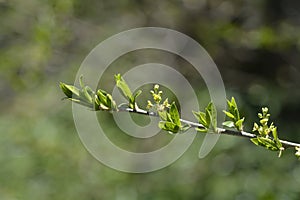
[{"x": 255, "y": 44}]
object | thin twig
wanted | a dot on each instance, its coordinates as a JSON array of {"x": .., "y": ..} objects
[{"x": 286, "y": 144}]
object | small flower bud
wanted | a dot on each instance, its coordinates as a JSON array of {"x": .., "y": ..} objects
[
  {"x": 156, "y": 87},
  {"x": 156, "y": 98}
]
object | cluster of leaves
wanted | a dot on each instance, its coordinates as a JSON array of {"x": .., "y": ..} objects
[
  {"x": 170, "y": 116},
  {"x": 208, "y": 119},
  {"x": 263, "y": 133},
  {"x": 85, "y": 96},
  {"x": 234, "y": 115},
  {"x": 168, "y": 113},
  {"x": 100, "y": 100},
  {"x": 170, "y": 120}
]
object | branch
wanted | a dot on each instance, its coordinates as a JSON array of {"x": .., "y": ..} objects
[
  {"x": 265, "y": 133},
  {"x": 286, "y": 144}
]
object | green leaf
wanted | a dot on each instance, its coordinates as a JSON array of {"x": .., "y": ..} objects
[
  {"x": 87, "y": 96},
  {"x": 168, "y": 126},
  {"x": 201, "y": 117},
  {"x": 197, "y": 115},
  {"x": 103, "y": 107},
  {"x": 111, "y": 102},
  {"x": 137, "y": 94},
  {"x": 233, "y": 109},
  {"x": 202, "y": 130},
  {"x": 83, "y": 103},
  {"x": 89, "y": 90},
  {"x": 274, "y": 133},
  {"x": 105, "y": 101},
  {"x": 211, "y": 116},
  {"x": 85, "y": 92},
  {"x": 171, "y": 120},
  {"x": 233, "y": 102},
  {"x": 207, "y": 117},
  {"x": 237, "y": 114},
  {"x": 163, "y": 115},
  {"x": 264, "y": 121},
  {"x": 174, "y": 114},
  {"x": 255, "y": 141},
  {"x": 185, "y": 128},
  {"x": 229, "y": 124},
  {"x": 268, "y": 143},
  {"x": 83, "y": 97},
  {"x": 132, "y": 100},
  {"x": 265, "y": 142},
  {"x": 81, "y": 81},
  {"x": 214, "y": 117},
  {"x": 234, "y": 114},
  {"x": 69, "y": 90},
  {"x": 276, "y": 139},
  {"x": 229, "y": 114},
  {"x": 101, "y": 94},
  {"x": 239, "y": 124},
  {"x": 126, "y": 92},
  {"x": 97, "y": 103},
  {"x": 123, "y": 87},
  {"x": 231, "y": 105}
]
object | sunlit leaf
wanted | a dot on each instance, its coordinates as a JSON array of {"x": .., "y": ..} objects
[
  {"x": 213, "y": 112},
  {"x": 239, "y": 124},
  {"x": 69, "y": 90},
  {"x": 137, "y": 94},
  {"x": 233, "y": 102},
  {"x": 202, "y": 130},
  {"x": 168, "y": 126},
  {"x": 266, "y": 142},
  {"x": 84, "y": 94},
  {"x": 83, "y": 103},
  {"x": 207, "y": 116},
  {"x": 174, "y": 114},
  {"x": 211, "y": 116},
  {"x": 229, "y": 124},
  {"x": 123, "y": 87},
  {"x": 163, "y": 115},
  {"x": 201, "y": 117},
  {"x": 184, "y": 128},
  {"x": 105, "y": 100},
  {"x": 229, "y": 114}
]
